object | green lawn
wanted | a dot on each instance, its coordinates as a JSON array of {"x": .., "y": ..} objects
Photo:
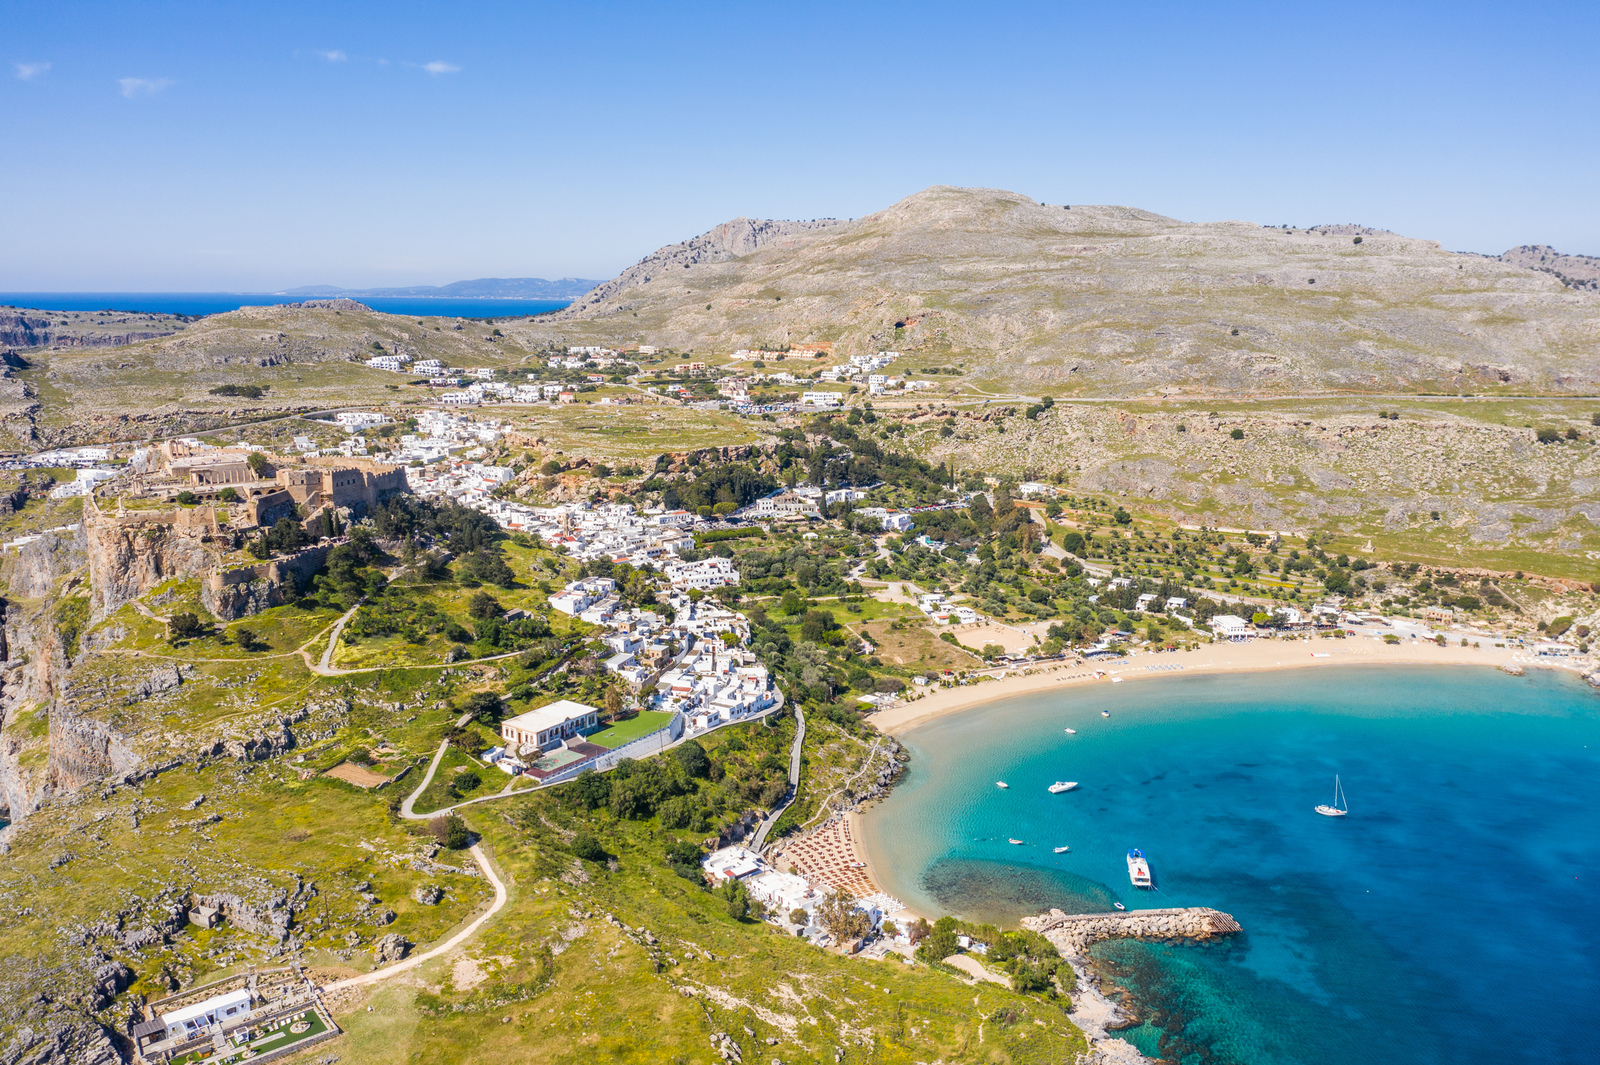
[{"x": 646, "y": 722}]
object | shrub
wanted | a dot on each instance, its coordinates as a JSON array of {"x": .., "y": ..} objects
[
  {"x": 466, "y": 781},
  {"x": 188, "y": 498},
  {"x": 587, "y": 847},
  {"x": 485, "y": 707},
  {"x": 450, "y": 831},
  {"x": 684, "y": 859},
  {"x": 1548, "y": 436},
  {"x": 185, "y": 626},
  {"x": 483, "y": 606},
  {"x": 246, "y": 391},
  {"x": 693, "y": 758},
  {"x": 1237, "y": 434},
  {"x": 228, "y": 495}
]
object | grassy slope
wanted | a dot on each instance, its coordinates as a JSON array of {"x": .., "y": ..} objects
[{"x": 551, "y": 981}]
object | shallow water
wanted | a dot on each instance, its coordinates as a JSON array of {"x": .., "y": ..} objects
[{"x": 1450, "y": 918}]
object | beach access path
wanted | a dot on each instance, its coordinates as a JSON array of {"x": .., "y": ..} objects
[{"x": 1245, "y": 657}]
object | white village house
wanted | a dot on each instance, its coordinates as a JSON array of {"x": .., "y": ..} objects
[{"x": 545, "y": 727}]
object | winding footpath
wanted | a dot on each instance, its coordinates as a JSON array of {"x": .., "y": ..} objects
[{"x": 482, "y": 861}]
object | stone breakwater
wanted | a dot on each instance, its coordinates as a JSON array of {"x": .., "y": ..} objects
[
  {"x": 1072, "y": 933},
  {"x": 1095, "y": 1014}
]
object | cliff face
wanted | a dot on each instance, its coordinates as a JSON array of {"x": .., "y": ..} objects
[
  {"x": 81, "y": 329},
  {"x": 32, "y": 659},
  {"x": 130, "y": 554}
]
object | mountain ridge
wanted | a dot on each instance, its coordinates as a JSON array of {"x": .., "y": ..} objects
[{"x": 1109, "y": 300}]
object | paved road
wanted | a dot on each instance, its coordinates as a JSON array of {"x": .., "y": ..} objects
[{"x": 794, "y": 781}]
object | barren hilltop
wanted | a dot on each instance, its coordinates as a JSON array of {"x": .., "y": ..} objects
[{"x": 1104, "y": 300}]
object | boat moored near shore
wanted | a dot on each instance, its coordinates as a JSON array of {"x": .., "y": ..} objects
[{"x": 1138, "y": 868}]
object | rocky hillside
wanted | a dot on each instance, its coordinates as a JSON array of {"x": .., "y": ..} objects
[
  {"x": 1578, "y": 271},
  {"x": 1099, "y": 300}
]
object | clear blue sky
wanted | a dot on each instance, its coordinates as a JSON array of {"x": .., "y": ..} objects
[{"x": 207, "y": 146}]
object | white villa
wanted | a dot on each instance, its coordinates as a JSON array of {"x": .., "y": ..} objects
[
  {"x": 547, "y": 726},
  {"x": 190, "y": 1021}
]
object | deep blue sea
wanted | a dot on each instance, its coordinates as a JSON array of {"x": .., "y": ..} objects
[
  {"x": 196, "y": 303},
  {"x": 1452, "y": 917}
]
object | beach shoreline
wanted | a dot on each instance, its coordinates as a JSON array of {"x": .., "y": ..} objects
[
  {"x": 1209, "y": 659},
  {"x": 1217, "y": 658}
]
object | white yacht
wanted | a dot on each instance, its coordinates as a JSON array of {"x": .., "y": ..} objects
[
  {"x": 1062, "y": 785},
  {"x": 1340, "y": 806},
  {"x": 1062, "y": 850},
  {"x": 1001, "y": 784},
  {"x": 1071, "y": 731},
  {"x": 1138, "y": 869}
]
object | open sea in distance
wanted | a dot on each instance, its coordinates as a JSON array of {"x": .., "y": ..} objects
[
  {"x": 1452, "y": 917},
  {"x": 197, "y": 303}
]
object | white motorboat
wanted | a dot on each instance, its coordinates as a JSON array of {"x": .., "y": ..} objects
[
  {"x": 1015, "y": 842},
  {"x": 1001, "y": 784},
  {"x": 1340, "y": 806},
  {"x": 1071, "y": 731},
  {"x": 1062, "y": 850},
  {"x": 1105, "y": 713},
  {"x": 1138, "y": 869},
  {"x": 1062, "y": 785},
  {"x": 1119, "y": 905}
]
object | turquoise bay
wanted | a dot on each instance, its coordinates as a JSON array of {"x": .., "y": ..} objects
[{"x": 1452, "y": 917}]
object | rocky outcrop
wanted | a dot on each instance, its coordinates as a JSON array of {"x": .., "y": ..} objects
[
  {"x": 43, "y": 562},
  {"x": 730, "y": 240},
  {"x": 390, "y": 949},
  {"x": 64, "y": 1038},
  {"x": 84, "y": 750},
  {"x": 163, "y": 678},
  {"x": 129, "y": 554},
  {"x": 80, "y": 330}
]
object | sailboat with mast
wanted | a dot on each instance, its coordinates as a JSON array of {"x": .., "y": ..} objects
[{"x": 1340, "y": 806}]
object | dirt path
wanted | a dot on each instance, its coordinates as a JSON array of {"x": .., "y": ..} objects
[{"x": 454, "y": 941}]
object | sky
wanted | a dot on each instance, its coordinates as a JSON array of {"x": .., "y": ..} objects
[{"x": 259, "y": 146}]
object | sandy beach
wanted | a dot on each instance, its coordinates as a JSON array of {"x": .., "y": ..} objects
[{"x": 1247, "y": 657}]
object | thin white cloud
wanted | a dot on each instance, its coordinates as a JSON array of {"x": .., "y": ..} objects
[
  {"x": 29, "y": 71},
  {"x": 440, "y": 67},
  {"x": 334, "y": 56},
  {"x": 133, "y": 88}
]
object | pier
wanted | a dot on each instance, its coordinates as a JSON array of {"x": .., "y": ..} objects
[{"x": 1072, "y": 932}]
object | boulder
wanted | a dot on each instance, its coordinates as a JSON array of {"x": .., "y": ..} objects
[{"x": 390, "y": 949}]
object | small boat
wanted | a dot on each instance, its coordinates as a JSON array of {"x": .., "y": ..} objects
[
  {"x": 1062, "y": 850},
  {"x": 1138, "y": 869},
  {"x": 1062, "y": 785},
  {"x": 1014, "y": 842},
  {"x": 1105, "y": 713},
  {"x": 1340, "y": 806},
  {"x": 1001, "y": 784},
  {"x": 1071, "y": 731},
  {"x": 1119, "y": 905}
]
